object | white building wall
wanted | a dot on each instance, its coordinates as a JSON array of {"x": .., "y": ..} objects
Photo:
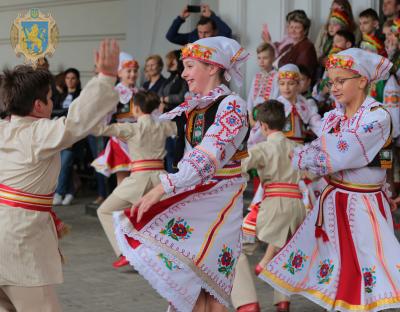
[{"x": 141, "y": 25}]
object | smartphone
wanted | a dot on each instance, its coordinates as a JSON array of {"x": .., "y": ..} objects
[{"x": 193, "y": 8}]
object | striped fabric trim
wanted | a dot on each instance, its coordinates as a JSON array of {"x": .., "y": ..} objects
[
  {"x": 17, "y": 198},
  {"x": 288, "y": 190},
  {"x": 355, "y": 187},
  {"x": 146, "y": 165},
  {"x": 228, "y": 172},
  {"x": 214, "y": 229}
]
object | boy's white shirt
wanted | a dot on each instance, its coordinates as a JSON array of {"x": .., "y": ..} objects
[{"x": 30, "y": 153}]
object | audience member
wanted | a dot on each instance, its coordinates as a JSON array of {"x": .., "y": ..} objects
[
  {"x": 209, "y": 25},
  {"x": 302, "y": 50},
  {"x": 65, "y": 187},
  {"x": 153, "y": 68}
]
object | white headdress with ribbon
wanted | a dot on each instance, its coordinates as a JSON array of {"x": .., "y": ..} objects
[
  {"x": 370, "y": 65},
  {"x": 221, "y": 51}
]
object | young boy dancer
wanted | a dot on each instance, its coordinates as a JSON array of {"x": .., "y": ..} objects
[
  {"x": 30, "y": 261},
  {"x": 146, "y": 138},
  {"x": 281, "y": 210}
]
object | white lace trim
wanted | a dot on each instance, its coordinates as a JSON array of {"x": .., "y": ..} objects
[{"x": 177, "y": 301}]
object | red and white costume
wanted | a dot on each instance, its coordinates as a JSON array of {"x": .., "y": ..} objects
[
  {"x": 115, "y": 157},
  {"x": 191, "y": 240},
  {"x": 345, "y": 256}
]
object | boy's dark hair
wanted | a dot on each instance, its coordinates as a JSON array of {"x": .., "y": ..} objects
[
  {"x": 272, "y": 112},
  {"x": 21, "y": 86},
  {"x": 348, "y": 35},
  {"x": 305, "y": 71},
  {"x": 147, "y": 101},
  {"x": 207, "y": 20},
  {"x": 369, "y": 13}
]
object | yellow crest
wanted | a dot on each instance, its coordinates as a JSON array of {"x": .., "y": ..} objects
[{"x": 34, "y": 35}]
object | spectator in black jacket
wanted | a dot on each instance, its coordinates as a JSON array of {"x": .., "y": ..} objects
[
  {"x": 172, "y": 94},
  {"x": 173, "y": 91},
  {"x": 209, "y": 25},
  {"x": 153, "y": 68}
]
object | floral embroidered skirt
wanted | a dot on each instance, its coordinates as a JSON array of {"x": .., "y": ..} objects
[
  {"x": 187, "y": 242},
  {"x": 114, "y": 158},
  {"x": 355, "y": 268}
]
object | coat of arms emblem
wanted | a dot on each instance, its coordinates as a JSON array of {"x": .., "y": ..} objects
[{"x": 34, "y": 35}]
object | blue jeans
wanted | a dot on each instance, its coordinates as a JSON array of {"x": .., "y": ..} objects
[
  {"x": 65, "y": 182},
  {"x": 96, "y": 145}
]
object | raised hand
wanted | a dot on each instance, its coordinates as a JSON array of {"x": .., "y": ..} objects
[
  {"x": 205, "y": 10},
  {"x": 185, "y": 13},
  {"x": 266, "y": 36},
  {"x": 107, "y": 57}
]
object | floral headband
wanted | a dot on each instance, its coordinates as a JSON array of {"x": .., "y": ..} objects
[
  {"x": 197, "y": 51},
  {"x": 130, "y": 64},
  {"x": 289, "y": 75},
  {"x": 396, "y": 26},
  {"x": 340, "y": 17},
  {"x": 339, "y": 61}
]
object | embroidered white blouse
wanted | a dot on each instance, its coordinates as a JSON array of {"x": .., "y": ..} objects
[
  {"x": 218, "y": 145},
  {"x": 347, "y": 146}
]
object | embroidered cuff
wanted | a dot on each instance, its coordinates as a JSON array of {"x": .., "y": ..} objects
[{"x": 166, "y": 182}]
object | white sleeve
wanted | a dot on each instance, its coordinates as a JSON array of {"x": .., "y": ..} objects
[{"x": 218, "y": 145}]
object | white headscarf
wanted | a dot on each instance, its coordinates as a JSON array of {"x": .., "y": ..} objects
[
  {"x": 289, "y": 71},
  {"x": 221, "y": 51},
  {"x": 370, "y": 65},
  {"x": 126, "y": 60}
]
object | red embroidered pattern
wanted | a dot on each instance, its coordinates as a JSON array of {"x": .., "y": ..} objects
[
  {"x": 230, "y": 121},
  {"x": 263, "y": 85}
]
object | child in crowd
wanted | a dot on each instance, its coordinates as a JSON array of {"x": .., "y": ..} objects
[
  {"x": 298, "y": 112},
  {"x": 281, "y": 210},
  {"x": 373, "y": 41},
  {"x": 263, "y": 87},
  {"x": 305, "y": 91},
  {"x": 146, "y": 141},
  {"x": 342, "y": 40},
  {"x": 338, "y": 21},
  {"x": 391, "y": 93},
  {"x": 264, "y": 84},
  {"x": 345, "y": 255},
  {"x": 372, "y": 38},
  {"x": 115, "y": 157},
  {"x": 391, "y": 96}
]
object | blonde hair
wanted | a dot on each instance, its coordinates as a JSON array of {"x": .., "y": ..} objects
[{"x": 158, "y": 60}]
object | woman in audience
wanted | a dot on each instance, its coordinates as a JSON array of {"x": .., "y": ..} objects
[
  {"x": 65, "y": 187},
  {"x": 153, "y": 68},
  {"x": 301, "y": 51}
]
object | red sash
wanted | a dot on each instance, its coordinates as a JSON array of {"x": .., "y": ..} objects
[
  {"x": 147, "y": 165},
  {"x": 20, "y": 199}
]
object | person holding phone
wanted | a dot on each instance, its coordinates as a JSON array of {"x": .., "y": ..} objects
[{"x": 209, "y": 25}]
